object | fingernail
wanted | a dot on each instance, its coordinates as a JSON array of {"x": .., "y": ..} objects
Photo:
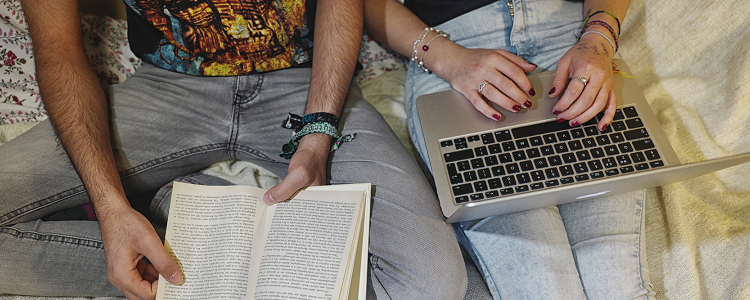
[
  {"x": 516, "y": 108},
  {"x": 556, "y": 112},
  {"x": 604, "y": 127},
  {"x": 532, "y": 92},
  {"x": 268, "y": 199},
  {"x": 574, "y": 123},
  {"x": 496, "y": 116},
  {"x": 527, "y": 104},
  {"x": 176, "y": 278},
  {"x": 560, "y": 120},
  {"x": 552, "y": 91}
]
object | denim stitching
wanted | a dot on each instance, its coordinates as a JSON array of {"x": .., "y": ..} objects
[
  {"x": 170, "y": 158},
  {"x": 5, "y": 219},
  {"x": 52, "y": 238}
]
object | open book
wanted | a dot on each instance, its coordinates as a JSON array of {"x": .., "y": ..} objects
[{"x": 231, "y": 245}]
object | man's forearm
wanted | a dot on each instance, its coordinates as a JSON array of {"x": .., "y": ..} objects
[
  {"x": 338, "y": 31},
  {"x": 73, "y": 96}
]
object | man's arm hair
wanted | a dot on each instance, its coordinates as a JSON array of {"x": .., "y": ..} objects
[
  {"x": 338, "y": 32},
  {"x": 73, "y": 96}
]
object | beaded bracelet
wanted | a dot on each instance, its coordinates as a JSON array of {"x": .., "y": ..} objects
[
  {"x": 288, "y": 149},
  {"x": 603, "y": 35},
  {"x": 415, "y": 57},
  {"x": 426, "y": 47},
  {"x": 611, "y": 14},
  {"x": 605, "y": 25}
]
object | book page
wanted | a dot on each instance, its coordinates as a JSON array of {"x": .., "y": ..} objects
[
  {"x": 211, "y": 232},
  {"x": 308, "y": 245}
]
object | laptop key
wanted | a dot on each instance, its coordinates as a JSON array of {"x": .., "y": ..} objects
[
  {"x": 609, "y": 162},
  {"x": 456, "y": 179},
  {"x": 494, "y": 148},
  {"x": 458, "y": 155},
  {"x": 494, "y": 183},
  {"x": 583, "y": 155},
  {"x": 597, "y": 152},
  {"x": 634, "y": 123},
  {"x": 503, "y": 135},
  {"x": 575, "y": 145},
  {"x": 506, "y": 191},
  {"x": 463, "y": 165},
  {"x": 636, "y": 134},
  {"x": 582, "y": 177},
  {"x": 638, "y": 157},
  {"x": 595, "y": 165},
  {"x": 566, "y": 170},
  {"x": 627, "y": 169},
  {"x": 477, "y": 163},
  {"x": 523, "y": 178},
  {"x": 536, "y": 185},
  {"x": 462, "y": 189},
  {"x": 652, "y": 154},
  {"x": 630, "y": 112},
  {"x": 551, "y": 173},
  {"x": 484, "y": 173},
  {"x": 522, "y": 143},
  {"x": 549, "y": 138},
  {"x": 491, "y": 160},
  {"x": 589, "y": 142},
  {"x": 554, "y": 160},
  {"x": 561, "y": 148},
  {"x": 533, "y": 152},
  {"x": 552, "y": 182},
  {"x": 569, "y": 158},
  {"x": 475, "y": 197},
  {"x": 462, "y": 199},
  {"x": 508, "y": 146},
  {"x": 563, "y": 136},
  {"x": 598, "y": 174},
  {"x": 522, "y": 188},
  {"x": 540, "y": 163},
  {"x": 470, "y": 176},
  {"x": 480, "y": 186},
  {"x": 643, "y": 144},
  {"x": 497, "y": 171},
  {"x": 488, "y": 138},
  {"x": 547, "y": 150},
  {"x": 643, "y": 166},
  {"x": 618, "y": 126},
  {"x": 509, "y": 181},
  {"x": 504, "y": 158},
  {"x": 581, "y": 168},
  {"x": 619, "y": 115},
  {"x": 577, "y": 133},
  {"x": 566, "y": 180},
  {"x": 536, "y": 141},
  {"x": 617, "y": 137},
  {"x": 591, "y": 131},
  {"x": 611, "y": 172},
  {"x": 526, "y": 165},
  {"x": 611, "y": 150},
  {"x": 623, "y": 160},
  {"x": 602, "y": 140},
  {"x": 625, "y": 147},
  {"x": 473, "y": 138},
  {"x": 492, "y": 194},
  {"x": 656, "y": 164},
  {"x": 480, "y": 151},
  {"x": 446, "y": 143},
  {"x": 512, "y": 168},
  {"x": 537, "y": 175}
]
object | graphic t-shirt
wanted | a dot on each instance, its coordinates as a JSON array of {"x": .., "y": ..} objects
[{"x": 221, "y": 37}]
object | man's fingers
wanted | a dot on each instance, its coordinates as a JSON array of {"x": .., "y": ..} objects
[
  {"x": 162, "y": 261},
  {"x": 286, "y": 188}
]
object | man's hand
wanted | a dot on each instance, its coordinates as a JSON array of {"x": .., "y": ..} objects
[
  {"x": 307, "y": 168},
  {"x": 135, "y": 254}
]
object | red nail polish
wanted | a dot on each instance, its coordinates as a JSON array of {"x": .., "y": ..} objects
[
  {"x": 552, "y": 91},
  {"x": 496, "y": 116},
  {"x": 516, "y": 108},
  {"x": 527, "y": 104},
  {"x": 574, "y": 124},
  {"x": 604, "y": 128},
  {"x": 556, "y": 112},
  {"x": 532, "y": 92},
  {"x": 560, "y": 120}
]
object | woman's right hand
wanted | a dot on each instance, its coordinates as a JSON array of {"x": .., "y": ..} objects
[{"x": 503, "y": 73}]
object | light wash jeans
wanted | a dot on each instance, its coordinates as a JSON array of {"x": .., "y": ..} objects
[
  {"x": 587, "y": 249},
  {"x": 166, "y": 125}
]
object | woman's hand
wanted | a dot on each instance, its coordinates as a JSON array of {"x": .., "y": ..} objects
[
  {"x": 584, "y": 97},
  {"x": 501, "y": 74}
]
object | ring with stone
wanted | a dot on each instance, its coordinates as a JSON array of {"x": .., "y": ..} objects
[
  {"x": 482, "y": 85},
  {"x": 583, "y": 80}
]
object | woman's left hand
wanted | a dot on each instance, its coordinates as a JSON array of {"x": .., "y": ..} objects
[{"x": 584, "y": 79}]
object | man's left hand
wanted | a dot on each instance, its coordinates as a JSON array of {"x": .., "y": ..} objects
[{"x": 306, "y": 168}]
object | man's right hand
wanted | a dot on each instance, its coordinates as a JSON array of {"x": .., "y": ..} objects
[{"x": 135, "y": 254}]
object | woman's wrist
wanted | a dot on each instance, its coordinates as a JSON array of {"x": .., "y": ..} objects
[{"x": 435, "y": 59}]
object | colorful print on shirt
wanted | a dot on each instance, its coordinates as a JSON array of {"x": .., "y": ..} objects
[{"x": 225, "y": 37}]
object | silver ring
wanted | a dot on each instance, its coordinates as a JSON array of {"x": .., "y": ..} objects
[
  {"x": 583, "y": 80},
  {"x": 482, "y": 85}
]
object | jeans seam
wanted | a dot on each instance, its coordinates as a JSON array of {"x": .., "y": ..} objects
[
  {"x": 170, "y": 158},
  {"x": 52, "y": 238},
  {"x": 41, "y": 204}
]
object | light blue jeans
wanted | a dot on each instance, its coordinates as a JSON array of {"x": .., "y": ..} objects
[
  {"x": 165, "y": 125},
  {"x": 587, "y": 249}
]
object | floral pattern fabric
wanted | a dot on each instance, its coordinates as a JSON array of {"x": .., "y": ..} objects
[{"x": 106, "y": 44}]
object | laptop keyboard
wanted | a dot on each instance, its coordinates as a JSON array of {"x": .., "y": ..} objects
[{"x": 510, "y": 161}]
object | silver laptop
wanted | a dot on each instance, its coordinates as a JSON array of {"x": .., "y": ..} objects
[{"x": 527, "y": 160}]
